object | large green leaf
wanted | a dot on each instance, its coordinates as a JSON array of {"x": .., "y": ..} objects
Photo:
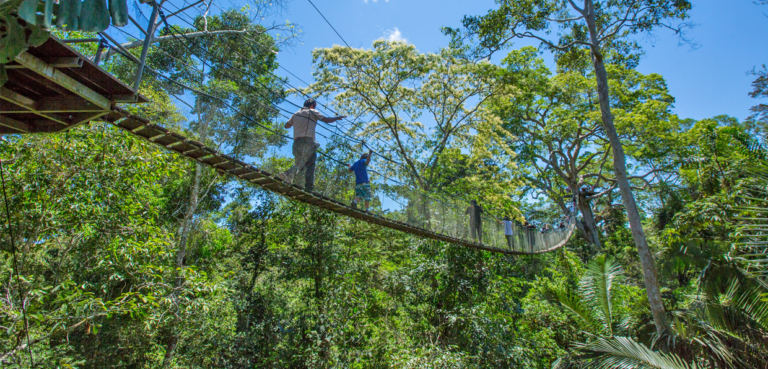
[
  {"x": 37, "y": 36},
  {"x": 28, "y": 11},
  {"x": 95, "y": 18},
  {"x": 68, "y": 17},
  {"x": 118, "y": 10},
  {"x": 13, "y": 41},
  {"x": 597, "y": 286},
  {"x": 623, "y": 352}
]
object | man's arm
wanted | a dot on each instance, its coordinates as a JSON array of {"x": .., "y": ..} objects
[
  {"x": 331, "y": 120},
  {"x": 368, "y": 160},
  {"x": 289, "y": 123},
  {"x": 350, "y": 169}
]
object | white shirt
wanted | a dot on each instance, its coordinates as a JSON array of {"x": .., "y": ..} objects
[{"x": 304, "y": 122}]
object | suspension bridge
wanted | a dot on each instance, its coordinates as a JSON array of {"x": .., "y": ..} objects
[{"x": 53, "y": 88}]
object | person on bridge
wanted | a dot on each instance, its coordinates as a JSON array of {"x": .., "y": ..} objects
[
  {"x": 475, "y": 222},
  {"x": 362, "y": 184},
  {"x": 571, "y": 210},
  {"x": 508, "y": 233},
  {"x": 305, "y": 147}
]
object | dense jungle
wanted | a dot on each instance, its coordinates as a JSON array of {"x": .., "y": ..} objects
[{"x": 118, "y": 253}]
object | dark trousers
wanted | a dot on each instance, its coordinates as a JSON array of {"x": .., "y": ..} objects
[
  {"x": 510, "y": 241},
  {"x": 476, "y": 228},
  {"x": 531, "y": 238}
]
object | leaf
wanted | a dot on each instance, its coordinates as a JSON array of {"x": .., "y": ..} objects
[
  {"x": 13, "y": 42},
  {"x": 597, "y": 286},
  {"x": 118, "y": 10},
  {"x": 96, "y": 16},
  {"x": 38, "y": 36},
  {"x": 623, "y": 352},
  {"x": 68, "y": 15},
  {"x": 28, "y": 11}
]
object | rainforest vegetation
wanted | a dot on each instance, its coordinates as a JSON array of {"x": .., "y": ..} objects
[{"x": 119, "y": 253}]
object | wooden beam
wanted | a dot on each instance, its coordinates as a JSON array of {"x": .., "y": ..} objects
[
  {"x": 17, "y": 98},
  {"x": 82, "y": 118},
  {"x": 34, "y": 77},
  {"x": 15, "y": 124},
  {"x": 69, "y": 62},
  {"x": 28, "y": 104},
  {"x": 63, "y": 80},
  {"x": 66, "y": 104},
  {"x": 126, "y": 98}
]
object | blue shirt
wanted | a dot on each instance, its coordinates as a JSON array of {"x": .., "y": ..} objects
[{"x": 361, "y": 172}]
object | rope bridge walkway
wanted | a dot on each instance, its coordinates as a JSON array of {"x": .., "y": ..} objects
[
  {"x": 53, "y": 88},
  {"x": 525, "y": 241}
]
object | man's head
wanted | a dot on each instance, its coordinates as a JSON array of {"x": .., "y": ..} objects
[
  {"x": 474, "y": 202},
  {"x": 506, "y": 217},
  {"x": 310, "y": 103},
  {"x": 364, "y": 156}
]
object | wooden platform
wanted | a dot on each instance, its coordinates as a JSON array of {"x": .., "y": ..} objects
[{"x": 53, "y": 88}]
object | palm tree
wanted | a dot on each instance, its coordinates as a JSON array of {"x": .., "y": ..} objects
[{"x": 609, "y": 332}]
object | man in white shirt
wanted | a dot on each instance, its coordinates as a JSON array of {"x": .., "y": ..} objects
[{"x": 305, "y": 147}]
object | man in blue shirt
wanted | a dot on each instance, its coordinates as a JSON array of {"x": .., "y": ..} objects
[{"x": 362, "y": 185}]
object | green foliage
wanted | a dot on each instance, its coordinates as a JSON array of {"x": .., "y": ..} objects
[
  {"x": 437, "y": 130},
  {"x": 133, "y": 257}
]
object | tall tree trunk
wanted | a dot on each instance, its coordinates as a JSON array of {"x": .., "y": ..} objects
[
  {"x": 619, "y": 165},
  {"x": 587, "y": 224},
  {"x": 181, "y": 252}
]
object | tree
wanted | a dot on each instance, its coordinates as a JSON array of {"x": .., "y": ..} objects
[
  {"x": 558, "y": 138},
  {"x": 760, "y": 90},
  {"x": 222, "y": 85},
  {"x": 394, "y": 86},
  {"x": 92, "y": 241},
  {"x": 598, "y": 26},
  {"x": 207, "y": 27}
]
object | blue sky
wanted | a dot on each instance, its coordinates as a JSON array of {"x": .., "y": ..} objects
[{"x": 706, "y": 80}]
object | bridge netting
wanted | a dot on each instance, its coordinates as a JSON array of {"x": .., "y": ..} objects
[{"x": 245, "y": 123}]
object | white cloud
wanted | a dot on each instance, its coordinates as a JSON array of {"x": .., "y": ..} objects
[{"x": 394, "y": 35}]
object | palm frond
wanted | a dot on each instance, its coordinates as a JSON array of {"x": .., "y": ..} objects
[
  {"x": 625, "y": 353},
  {"x": 597, "y": 285},
  {"x": 733, "y": 314},
  {"x": 695, "y": 338},
  {"x": 575, "y": 305}
]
